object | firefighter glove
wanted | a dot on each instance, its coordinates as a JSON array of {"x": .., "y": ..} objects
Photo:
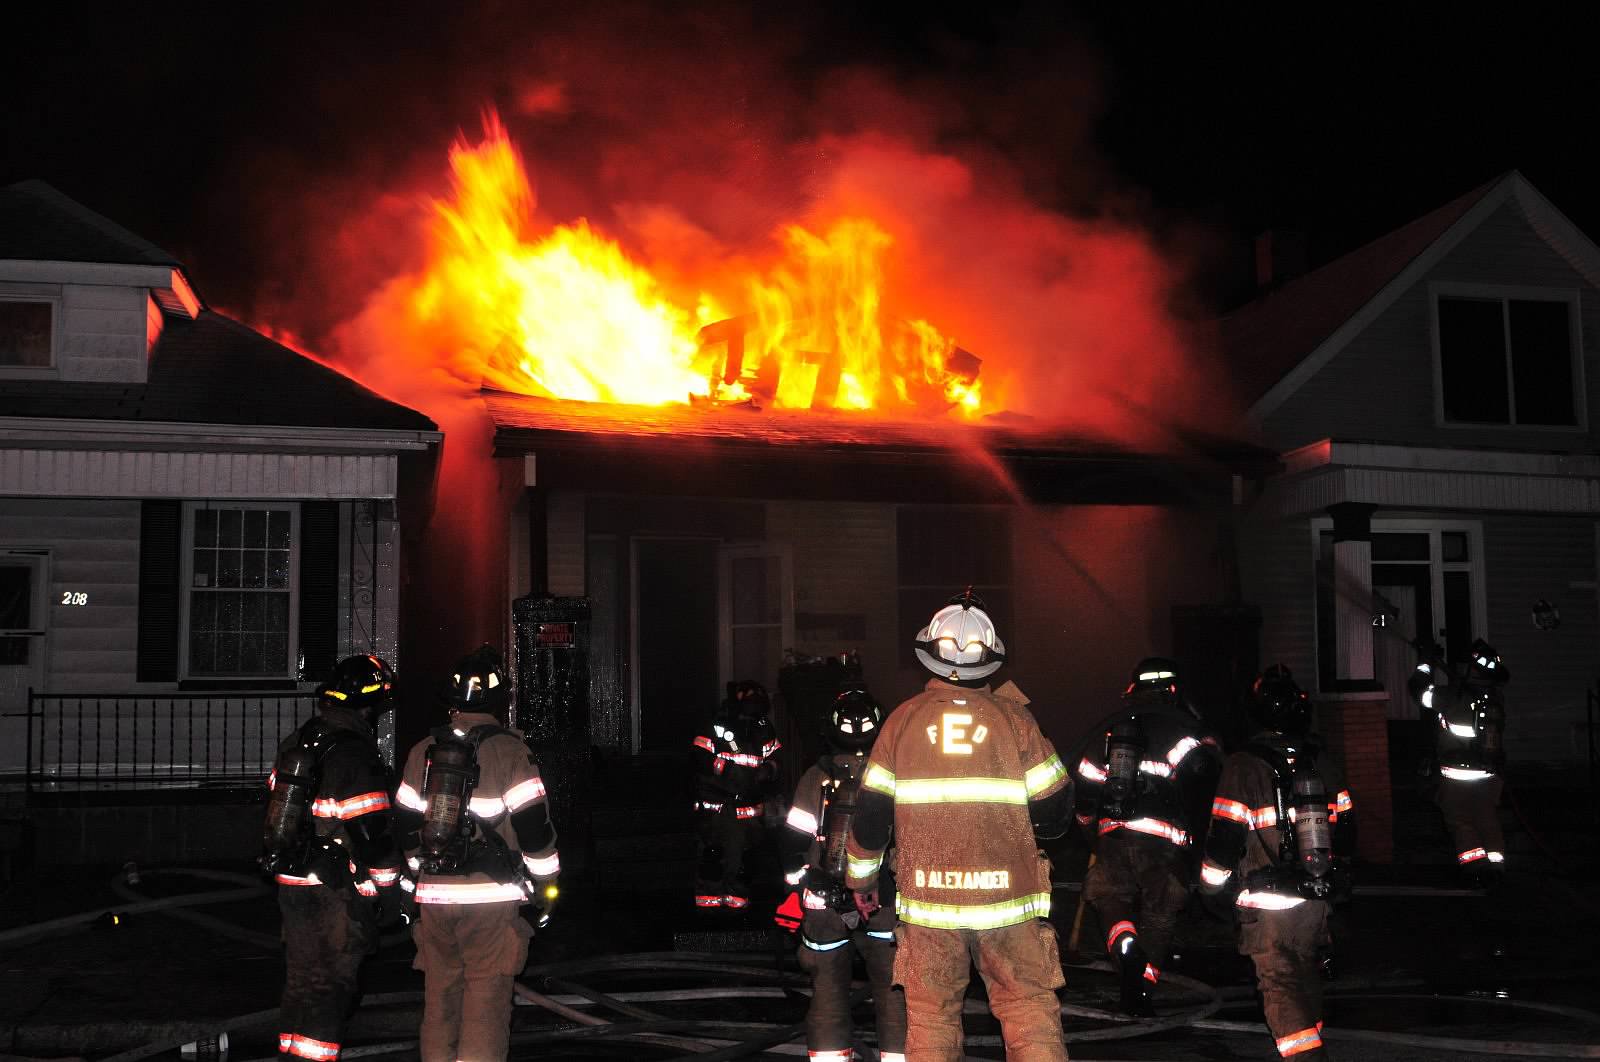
[{"x": 866, "y": 902}]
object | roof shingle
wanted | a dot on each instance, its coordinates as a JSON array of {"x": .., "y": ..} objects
[
  {"x": 38, "y": 223},
  {"x": 215, "y": 370}
]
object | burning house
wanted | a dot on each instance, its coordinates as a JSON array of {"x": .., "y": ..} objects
[
  {"x": 692, "y": 489},
  {"x": 195, "y": 521}
]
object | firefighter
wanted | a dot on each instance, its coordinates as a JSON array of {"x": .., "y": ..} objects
[
  {"x": 734, "y": 775},
  {"x": 1286, "y": 877},
  {"x": 1144, "y": 792},
  {"x": 476, "y": 825},
  {"x": 1470, "y": 752},
  {"x": 970, "y": 787},
  {"x": 834, "y": 917},
  {"x": 329, "y": 842}
]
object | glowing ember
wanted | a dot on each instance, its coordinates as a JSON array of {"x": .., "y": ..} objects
[{"x": 565, "y": 313}]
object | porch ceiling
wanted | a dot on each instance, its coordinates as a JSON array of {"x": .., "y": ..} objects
[{"x": 815, "y": 455}]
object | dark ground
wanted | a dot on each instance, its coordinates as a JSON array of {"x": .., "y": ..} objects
[
  {"x": 1408, "y": 960},
  {"x": 105, "y": 988}
]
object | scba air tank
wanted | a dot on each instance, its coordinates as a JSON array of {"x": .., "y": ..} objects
[
  {"x": 447, "y": 783},
  {"x": 1313, "y": 836},
  {"x": 294, "y": 784}
]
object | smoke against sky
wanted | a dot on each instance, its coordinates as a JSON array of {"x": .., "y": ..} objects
[{"x": 694, "y": 139}]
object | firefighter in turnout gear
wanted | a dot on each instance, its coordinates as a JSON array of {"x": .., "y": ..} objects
[
  {"x": 1286, "y": 877},
  {"x": 1144, "y": 793},
  {"x": 969, "y": 787},
  {"x": 834, "y": 918},
  {"x": 1470, "y": 751},
  {"x": 329, "y": 842},
  {"x": 476, "y": 825},
  {"x": 734, "y": 774}
]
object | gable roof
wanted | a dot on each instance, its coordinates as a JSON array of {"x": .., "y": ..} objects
[
  {"x": 38, "y": 223},
  {"x": 215, "y": 370},
  {"x": 1264, "y": 339},
  {"x": 1277, "y": 342}
]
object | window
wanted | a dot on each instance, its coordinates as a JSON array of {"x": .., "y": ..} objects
[
  {"x": 1508, "y": 360},
  {"x": 241, "y": 601},
  {"x": 27, "y": 329},
  {"x": 941, "y": 552}
]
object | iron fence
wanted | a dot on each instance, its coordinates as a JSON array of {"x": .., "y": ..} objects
[{"x": 122, "y": 741}]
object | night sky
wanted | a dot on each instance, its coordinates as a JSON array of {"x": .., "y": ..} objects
[{"x": 234, "y": 135}]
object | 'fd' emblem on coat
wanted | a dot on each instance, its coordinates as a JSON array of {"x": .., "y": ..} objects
[{"x": 953, "y": 725}]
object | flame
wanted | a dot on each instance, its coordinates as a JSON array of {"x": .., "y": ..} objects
[{"x": 562, "y": 311}]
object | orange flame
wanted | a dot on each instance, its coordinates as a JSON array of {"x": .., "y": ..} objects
[{"x": 566, "y": 313}]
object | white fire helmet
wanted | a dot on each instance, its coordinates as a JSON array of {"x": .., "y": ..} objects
[{"x": 960, "y": 643}]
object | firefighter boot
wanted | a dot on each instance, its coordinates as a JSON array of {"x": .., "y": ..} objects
[{"x": 1135, "y": 983}]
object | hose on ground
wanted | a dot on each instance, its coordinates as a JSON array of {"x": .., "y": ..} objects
[{"x": 709, "y": 1041}]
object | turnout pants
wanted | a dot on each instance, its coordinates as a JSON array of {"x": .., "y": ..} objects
[
  {"x": 1136, "y": 886},
  {"x": 1020, "y": 966},
  {"x": 1471, "y": 811},
  {"x": 825, "y": 954},
  {"x": 1283, "y": 946},
  {"x": 469, "y": 955},
  {"x": 725, "y": 837},
  {"x": 323, "y": 945}
]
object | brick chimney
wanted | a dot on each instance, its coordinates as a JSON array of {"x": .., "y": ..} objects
[{"x": 1280, "y": 256}]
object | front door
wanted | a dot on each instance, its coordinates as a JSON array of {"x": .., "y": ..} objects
[
  {"x": 24, "y": 583},
  {"x": 675, "y": 641}
]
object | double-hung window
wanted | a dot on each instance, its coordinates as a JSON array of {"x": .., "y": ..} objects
[
  {"x": 240, "y": 601},
  {"x": 1508, "y": 356}
]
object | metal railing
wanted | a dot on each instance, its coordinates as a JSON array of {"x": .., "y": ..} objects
[{"x": 124, "y": 741}]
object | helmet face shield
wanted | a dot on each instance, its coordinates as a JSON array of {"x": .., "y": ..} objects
[
  {"x": 855, "y": 720},
  {"x": 1278, "y": 702},
  {"x": 479, "y": 685},
  {"x": 1484, "y": 666},
  {"x": 364, "y": 683},
  {"x": 960, "y": 643},
  {"x": 1154, "y": 681}
]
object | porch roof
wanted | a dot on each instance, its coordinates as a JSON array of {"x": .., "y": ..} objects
[
  {"x": 734, "y": 451},
  {"x": 1435, "y": 478}
]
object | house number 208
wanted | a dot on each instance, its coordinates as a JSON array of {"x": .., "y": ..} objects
[{"x": 74, "y": 597}]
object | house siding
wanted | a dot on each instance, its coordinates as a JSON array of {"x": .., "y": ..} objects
[
  {"x": 844, "y": 566},
  {"x": 1380, "y": 387},
  {"x": 1093, "y": 591},
  {"x": 1278, "y": 575},
  {"x": 94, "y": 549},
  {"x": 1525, "y": 559}
]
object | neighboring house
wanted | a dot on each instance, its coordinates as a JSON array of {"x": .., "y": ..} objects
[
  {"x": 713, "y": 541},
  {"x": 195, "y": 521},
  {"x": 1431, "y": 396}
]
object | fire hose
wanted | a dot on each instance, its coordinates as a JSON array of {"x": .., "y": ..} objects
[{"x": 713, "y": 1041}]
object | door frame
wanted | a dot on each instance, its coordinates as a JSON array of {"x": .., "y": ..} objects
[{"x": 39, "y": 558}]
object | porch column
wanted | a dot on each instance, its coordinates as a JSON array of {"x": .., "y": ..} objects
[
  {"x": 1355, "y": 712},
  {"x": 1352, "y": 594}
]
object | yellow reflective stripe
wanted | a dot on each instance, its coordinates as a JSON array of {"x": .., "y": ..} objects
[
  {"x": 858, "y": 869},
  {"x": 1042, "y": 777},
  {"x": 973, "y": 916},
  {"x": 960, "y": 791},
  {"x": 879, "y": 778}
]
